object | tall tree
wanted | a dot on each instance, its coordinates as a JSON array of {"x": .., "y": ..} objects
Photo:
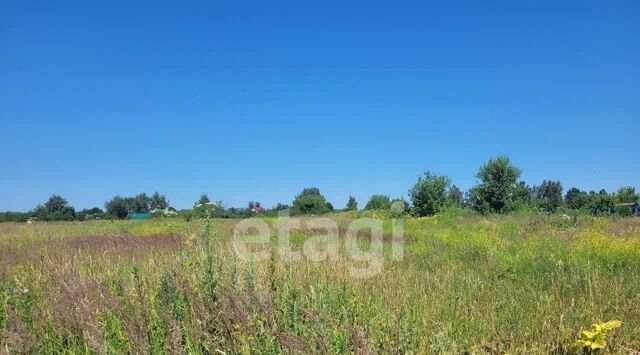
[
  {"x": 140, "y": 203},
  {"x": 549, "y": 195},
  {"x": 455, "y": 196},
  {"x": 601, "y": 201},
  {"x": 626, "y": 194},
  {"x": 576, "y": 199},
  {"x": 497, "y": 183},
  {"x": 117, "y": 207},
  {"x": 429, "y": 194},
  {"x": 352, "y": 204},
  {"x": 55, "y": 209},
  {"x": 522, "y": 194},
  {"x": 158, "y": 202}
]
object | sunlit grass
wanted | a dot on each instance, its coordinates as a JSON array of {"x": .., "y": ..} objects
[{"x": 466, "y": 283}]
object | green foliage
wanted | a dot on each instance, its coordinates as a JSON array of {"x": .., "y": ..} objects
[
  {"x": 158, "y": 202},
  {"x": 429, "y": 194},
  {"x": 310, "y": 201},
  {"x": 3, "y": 306},
  {"x": 455, "y": 196},
  {"x": 522, "y": 197},
  {"x": 90, "y": 214},
  {"x": 496, "y": 189},
  {"x": 378, "y": 202},
  {"x": 204, "y": 199},
  {"x": 601, "y": 200},
  {"x": 595, "y": 340},
  {"x": 139, "y": 204},
  {"x": 115, "y": 334},
  {"x": 117, "y": 207},
  {"x": 55, "y": 209},
  {"x": 399, "y": 206},
  {"x": 14, "y": 216},
  {"x": 576, "y": 199},
  {"x": 198, "y": 297},
  {"x": 120, "y": 207},
  {"x": 627, "y": 194},
  {"x": 209, "y": 210},
  {"x": 549, "y": 195},
  {"x": 352, "y": 204}
]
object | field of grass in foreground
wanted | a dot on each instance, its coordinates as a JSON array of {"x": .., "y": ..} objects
[{"x": 519, "y": 285}]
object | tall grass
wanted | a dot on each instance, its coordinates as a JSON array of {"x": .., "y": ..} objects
[{"x": 466, "y": 284}]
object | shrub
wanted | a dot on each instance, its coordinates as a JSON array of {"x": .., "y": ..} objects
[
  {"x": 378, "y": 202},
  {"x": 310, "y": 201},
  {"x": 429, "y": 194}
]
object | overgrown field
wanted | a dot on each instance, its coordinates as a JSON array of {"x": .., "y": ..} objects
[{"x": 466, "y": 284}]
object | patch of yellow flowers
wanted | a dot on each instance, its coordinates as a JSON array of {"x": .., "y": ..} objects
[{"x": 594, "y": 340}]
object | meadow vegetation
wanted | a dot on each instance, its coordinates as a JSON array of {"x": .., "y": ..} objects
[{"x": 468, "y": 283}]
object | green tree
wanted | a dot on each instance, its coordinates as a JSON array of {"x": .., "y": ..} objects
[
  {"x": 455, "y": 196},
  {"x": 352, "y": 204},
  {"x": 204, "y": 199},
  {"x": 55, "y": 209},
  {"x": 378, "y": 202},
  {"x": 429, "y": 194},
  {"x": 626, "y": 194},
  {"x": 576, "y": 199},
  {"x": 158, "y": 202},
  {"x": 496, "y": 187},
  {"x": 90, "y": 214},
  {"x": 601, "y": 201},
  {"x": 140, "y": 203},
  {"x": 310, "y": 201},
  {"x": 549, "y": 195},
  {"x": 117, "y": 207}
]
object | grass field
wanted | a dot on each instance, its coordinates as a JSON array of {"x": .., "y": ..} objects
[{"x": 518, "y": 285}]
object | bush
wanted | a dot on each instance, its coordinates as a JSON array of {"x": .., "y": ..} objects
[
  {"x": 429, "y": 194},
  {"x": 378, "y": 202},
  {"x": 310, "y": 201}
]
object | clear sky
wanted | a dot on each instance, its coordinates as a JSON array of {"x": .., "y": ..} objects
[{"x": 257, "y": 100}]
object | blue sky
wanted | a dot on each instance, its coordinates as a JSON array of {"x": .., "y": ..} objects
[{"x": 257, "y": 100}]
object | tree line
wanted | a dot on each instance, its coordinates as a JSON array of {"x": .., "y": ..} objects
[{"x": 498, "y": 190}]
